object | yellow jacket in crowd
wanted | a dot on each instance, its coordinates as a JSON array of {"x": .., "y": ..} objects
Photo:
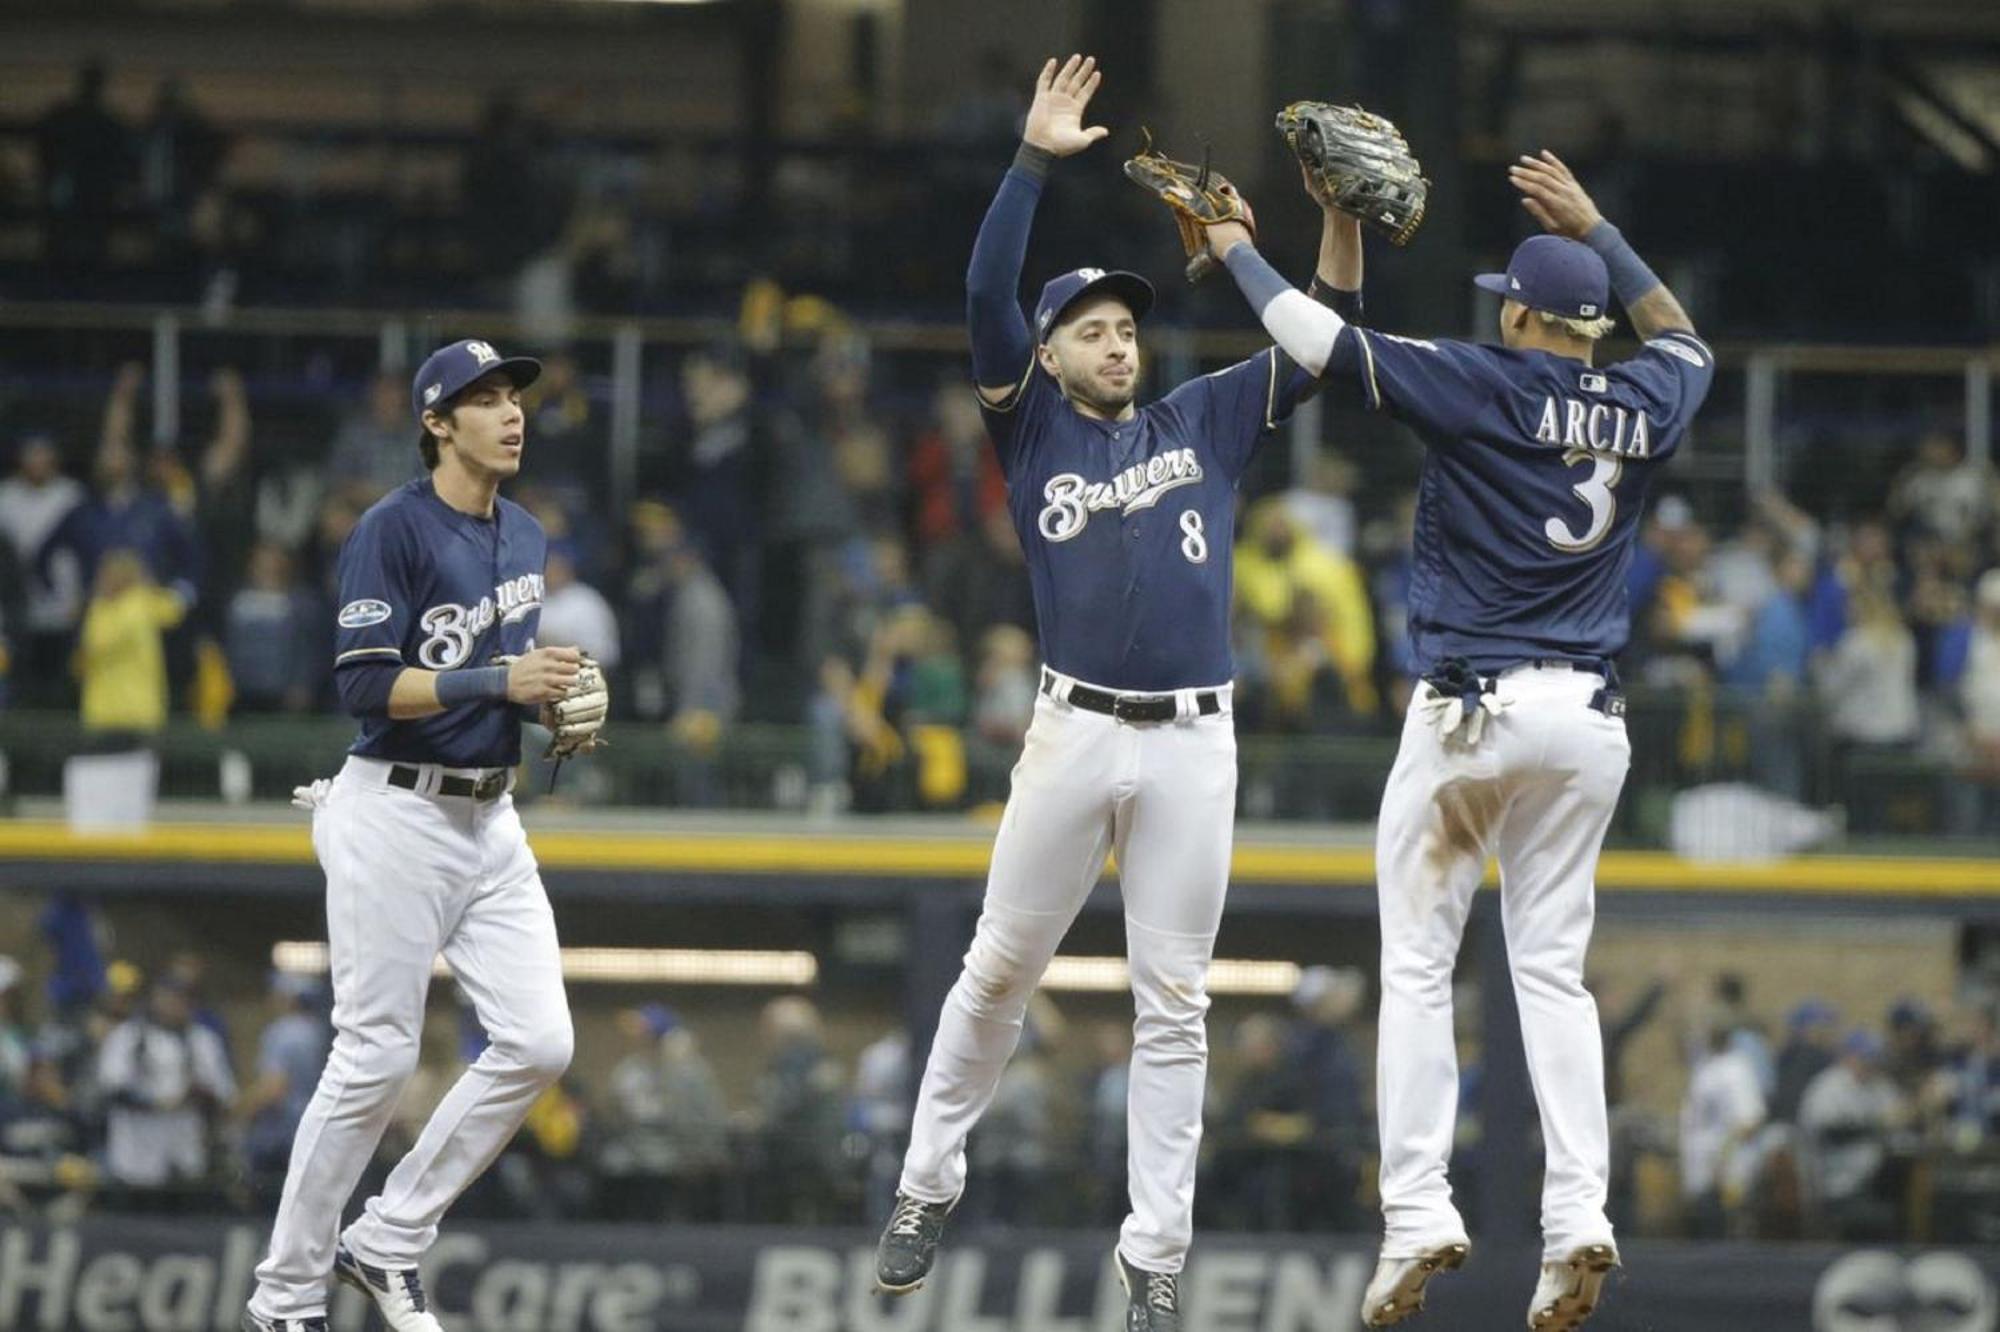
[{"x": 120, "y": 654}]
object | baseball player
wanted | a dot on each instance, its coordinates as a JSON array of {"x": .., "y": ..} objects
[
  {"x": 1536, "y": 470},
  {"x": 1126, "y": 514},
  {"x": 441, "y": 591}
]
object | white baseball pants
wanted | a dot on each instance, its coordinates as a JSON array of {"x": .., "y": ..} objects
[
  {"x": 1164, "y": 794},
  {"x": 1537, "y": 790},
  {"x": 410, "y": 875}
]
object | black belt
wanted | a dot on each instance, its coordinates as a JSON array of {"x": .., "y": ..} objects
[
  {"x": 1133, "y": 707},
  {"x": 490, "y": 787}
]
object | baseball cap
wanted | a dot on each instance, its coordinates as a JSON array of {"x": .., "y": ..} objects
[
  {"x": 1066, "y": 290},
  {"x": 1862, "y": 1043},
  {"x": 1564, "y": 277},
  {"x": 1811, "y": 1013},
  {"x": 446, "y": 372},
  {"x": 659, "y": 1019}
]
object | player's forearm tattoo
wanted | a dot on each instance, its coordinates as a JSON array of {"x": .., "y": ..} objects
[{"x": 1305, "y": 329}]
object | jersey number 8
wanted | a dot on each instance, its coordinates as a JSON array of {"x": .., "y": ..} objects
[
  {"x": 1194, "y": 541},
  {"x": 1594, "y": 491}
]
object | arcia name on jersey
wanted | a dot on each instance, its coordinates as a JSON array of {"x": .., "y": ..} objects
[{"x": 1071, "y": 499}]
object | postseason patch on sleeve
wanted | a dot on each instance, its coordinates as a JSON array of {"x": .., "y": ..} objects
[{"x": 361, "y": 614}]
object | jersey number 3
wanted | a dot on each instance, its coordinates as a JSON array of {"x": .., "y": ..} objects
[{"x": 1594, "y": 491}]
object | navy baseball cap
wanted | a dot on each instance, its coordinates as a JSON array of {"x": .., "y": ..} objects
[
  {"x": 1564, "y": 277},
  {"x": 1066, "y": 290},
  {"x": 446, "y": 372}
]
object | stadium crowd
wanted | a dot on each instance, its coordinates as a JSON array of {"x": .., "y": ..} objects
[
  {"x": 820, "y": 545},
  {"x": 153, "y": 1094}
]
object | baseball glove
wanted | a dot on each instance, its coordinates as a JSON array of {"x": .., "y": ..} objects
[
  {"x": 575, "y": 719},
  {"x": 1198, "y": 196},
  {"x": 1358, "y": 163}
]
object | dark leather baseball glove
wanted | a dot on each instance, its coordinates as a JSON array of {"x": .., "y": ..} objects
[
  {"x": 1198, "y": 197},
  {"x": 1358, "y": 163}
]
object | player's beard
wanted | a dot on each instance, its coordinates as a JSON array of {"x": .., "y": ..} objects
[{"x": 1104, "y": 396}]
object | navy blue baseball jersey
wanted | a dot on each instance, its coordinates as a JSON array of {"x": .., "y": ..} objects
[
  {"x": 1128, "y": 526},
  {"x": 1535, "y": 473},
  {"x": 424, "y": 585}
]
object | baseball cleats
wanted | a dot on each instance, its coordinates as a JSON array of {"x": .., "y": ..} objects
[
  {"x": 397, "y": 1292},
  {"x": 1570, "y": 1287},
  {"x": 254, "y": 1323},
  {"x": 1152, "y": 1299},
  {"x": 1397, "y": 1290},
  {"x": 909, "y": 1244}
]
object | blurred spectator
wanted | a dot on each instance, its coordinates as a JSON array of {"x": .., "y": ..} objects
[
  {"x": 798, "y": 1117},
  {"x": 680, "y": 642},
  {"x": 1003, "y": 703},
  {"x": 1319, "y": 1055},
  {"x": 1308, "y": 622},
  {"x": 575, "y": 614},
  {"x": 718, "y": 482},
  {"x": 125, "y": 510},
  {"x": 121, "y": 656},
  {"x": 179, "y": 155},
  {"x": 15, "y": 1050},
  {"x": 165, "y": 1079},
  {"x": 1848, "y": 1115},
  {"x": 850, "y": 429},
  {"x": 571, "y": 450},
  {"x": 34, "y": 500},
  {"x": 290, "y": 1053},
  {"x": 1257, "y": 1135},
  {"x": 669, "y": 1125},
  {"x": 955, "y": 480},
  {"x": 1720, "y": 1114},
  {"x": 1731, "y": 997},
  {"x": 86, "y": 159},
  {"x": 981, "y": 580},
  {"x": 1771, "y": 669},
  {"x": 1106, "y": 1092},
  {"x": 1912, "y": 1054},
  {"x": 1942, "y": 493},
  {"x": 274, "y": 637},
  {"x": 1868, "y": 682},
  {"x": 1014, "y": 1145},
  {"x": 375, "y": 449},
  {"x": 1322, "y": 504},
  {"x": 1977, "y": 797},
  {"x": 1970, "y": 1085},
  {"x": 1810, "y": 1032},
  {"x": 219, "y": 496},
  {"x": 882, "y": 1098}
]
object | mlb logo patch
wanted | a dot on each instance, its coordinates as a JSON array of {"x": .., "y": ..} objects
[
  {"x": 1592, "y": 383},
  {"x": 1587, "y": 311},
  {"x": 431, "y": 394}
]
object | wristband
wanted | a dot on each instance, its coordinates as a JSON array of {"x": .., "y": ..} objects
[
  {"x": 1033, "y": 162},
  {"x": 479, "y": 685},
  {"x": 1630, "y": 277}
]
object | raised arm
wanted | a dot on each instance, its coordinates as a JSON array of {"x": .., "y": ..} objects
[
  {"x": 1337, "y": 278},
  {"x": 1002, "y": 347},
  {"x": 1305, "y": 329},
  {"x": 1550, "y": 192}
]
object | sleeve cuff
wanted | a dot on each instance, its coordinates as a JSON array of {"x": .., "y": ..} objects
[{"x": 1033, "y": 162}]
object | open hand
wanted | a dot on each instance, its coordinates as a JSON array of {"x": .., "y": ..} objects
[
  {"x": 1055, "y": 120},
  {"x": 1550, "y": 193}
]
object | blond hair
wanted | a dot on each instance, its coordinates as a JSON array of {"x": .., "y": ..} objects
[{"x": 1588, "y": 329}]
